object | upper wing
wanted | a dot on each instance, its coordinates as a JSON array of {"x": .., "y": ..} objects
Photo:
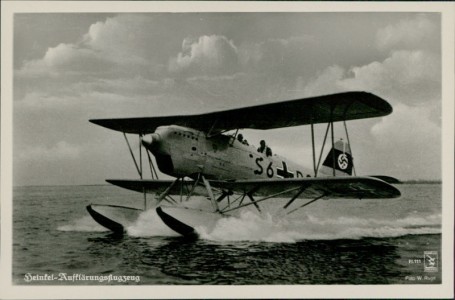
[
  {"x": 321, "y": 109},
  {"x": 331, "y": 187}
]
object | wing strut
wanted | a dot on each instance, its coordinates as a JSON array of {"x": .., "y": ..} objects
[
  {"x": 227, "y": 209},
  {"x": 139, "y": 171},
  {"x": 305, "y": 204},
  {"x": 209, "y": 134},
  {"x": 314, "y": 150},
  {"x": 152, "y": 167},
  {"x": 330, "y": 125},
  {"x": 322, "y": 149},
  {"x": 333, "y": 140},
  {"x": 139, "y": 166},
  {"x": 350, "y": 147}
]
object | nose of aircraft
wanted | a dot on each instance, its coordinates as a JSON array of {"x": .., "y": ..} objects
[{"x": 150, "y": 141}]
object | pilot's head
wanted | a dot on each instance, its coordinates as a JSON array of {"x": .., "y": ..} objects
[
  {"x": 240, "y": 137},
  {"x": 262, "y": 142}
]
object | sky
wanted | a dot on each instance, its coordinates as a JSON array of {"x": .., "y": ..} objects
[{"x": 72, "y": 67}]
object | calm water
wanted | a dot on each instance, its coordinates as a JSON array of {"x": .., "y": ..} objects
[{"x": 328, "y": 242}]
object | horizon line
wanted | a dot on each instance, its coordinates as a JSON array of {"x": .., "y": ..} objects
[{"x": 408, "y": 181}]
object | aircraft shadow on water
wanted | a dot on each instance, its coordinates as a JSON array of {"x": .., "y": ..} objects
[{"x": 208, "y": 157}]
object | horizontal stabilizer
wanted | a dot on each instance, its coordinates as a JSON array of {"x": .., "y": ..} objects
[
  {"x": 322, "y": 109},
  {"x": 388, "y": 179}
]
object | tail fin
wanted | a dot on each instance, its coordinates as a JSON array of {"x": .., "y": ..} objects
[{"x": 343, "y": 163}]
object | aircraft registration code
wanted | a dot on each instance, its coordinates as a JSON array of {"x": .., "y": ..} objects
[{"x": 414, "y": 261}]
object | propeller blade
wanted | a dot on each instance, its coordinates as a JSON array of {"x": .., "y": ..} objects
[{"x": 150, "y": 140}]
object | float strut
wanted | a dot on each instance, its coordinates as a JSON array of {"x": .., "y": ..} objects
[
  {"x": 303, "y": 205},
  {"x": 223, "y": 195},
  {"x": 254, "y": 202},
  {"x": 209, "y": 190},
  {"x": 193, "y": 187},
  {"x": 166, "y": 192},
  {"x": 302, "y": 189}
]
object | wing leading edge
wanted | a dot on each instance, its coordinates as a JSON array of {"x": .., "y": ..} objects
[
  {"x": 321, "y": 109},
  {"x": 158, "y": 186},
  {"x": 331, "y": 187}
]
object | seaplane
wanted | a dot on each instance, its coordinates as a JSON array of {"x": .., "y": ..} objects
[{"x": 207, "y": 157}]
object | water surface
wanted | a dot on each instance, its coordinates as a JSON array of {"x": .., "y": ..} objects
[{"x": 328, "y": 242}]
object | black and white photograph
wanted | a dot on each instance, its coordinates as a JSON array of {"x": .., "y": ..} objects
[{"x": 261, "y": 151}]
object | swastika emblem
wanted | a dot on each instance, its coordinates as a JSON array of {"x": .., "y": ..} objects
[{"x": 343, "y": 161}]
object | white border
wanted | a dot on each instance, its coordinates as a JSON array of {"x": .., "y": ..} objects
[{"x": 445, "y": 290}]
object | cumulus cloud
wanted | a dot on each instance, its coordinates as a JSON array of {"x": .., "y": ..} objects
[
  {"x": 220, "y": 56},
  {"x": 137, "y": 85},
  {"x": 401, "y": 68},
  {"x": 418, "y": 136},
  {"x": 414, "y": 33},
  {"x": 279, "y": 57},
  {"x": 411, "y": 77},
  {"x": 206, "y": 55},
  {"x": 122, "y": 36},
  {"x": 64, "y": 58},
  {"x": 411, "y": 73},
  {"x": 138, "y": 65},
  {"x": 417, "y": 124},
  {"x": 116, "y": 47},
  {"x": 326, "y": 82}
]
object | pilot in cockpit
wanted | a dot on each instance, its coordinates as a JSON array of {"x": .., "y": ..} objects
[
  {"x": 264, "y": 148},
  {"x": 241, "y": 140}
]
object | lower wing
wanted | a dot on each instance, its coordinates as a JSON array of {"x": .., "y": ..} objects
[
  {"x": 330, "y": 187},
  {"x": 160, "y": 186}
]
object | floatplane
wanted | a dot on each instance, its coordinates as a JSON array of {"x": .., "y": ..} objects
[{"x": 208, "y": 157}]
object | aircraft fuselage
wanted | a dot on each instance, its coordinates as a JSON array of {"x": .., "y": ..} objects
[{"x": 182, "y": 151}]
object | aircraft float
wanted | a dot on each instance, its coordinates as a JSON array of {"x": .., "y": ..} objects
[{"x": 208, "y": 157}]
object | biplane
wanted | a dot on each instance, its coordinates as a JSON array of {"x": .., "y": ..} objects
[{"x": 208, "y": 157}]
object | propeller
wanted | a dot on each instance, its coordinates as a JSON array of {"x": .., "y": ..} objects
[{"x": 150, "y": 141}]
